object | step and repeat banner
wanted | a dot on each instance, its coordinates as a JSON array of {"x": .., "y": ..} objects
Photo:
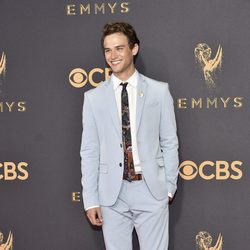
[{"x": 50, "y": 54}]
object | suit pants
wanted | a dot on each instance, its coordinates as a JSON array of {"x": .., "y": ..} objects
[{"x": 136, "y": 208}]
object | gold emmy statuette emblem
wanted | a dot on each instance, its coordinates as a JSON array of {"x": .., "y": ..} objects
[
  {"x": 209, "y": 66},
  {"x": 8, "y": 245},
  {"x": 3, "y": 64},
  {"x": 204, "y": 241}
]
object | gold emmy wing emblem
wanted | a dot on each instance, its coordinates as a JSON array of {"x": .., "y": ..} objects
[
  {"x": 3, "y": 64},
  {"x": 8, "y": 245},
  {"x": 204, "y": 241},
  {"x": 209, "y": 66}
]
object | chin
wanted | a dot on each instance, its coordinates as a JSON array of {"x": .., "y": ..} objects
[{"x": 116, "y": 70}]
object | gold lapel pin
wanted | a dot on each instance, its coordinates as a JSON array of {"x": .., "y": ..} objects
[{"x": 141, "y": 94}]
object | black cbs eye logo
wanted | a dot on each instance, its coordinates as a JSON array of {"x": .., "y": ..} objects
[
  {"x": 188, "y": 170},
  {"x": 78, "y": 77}
]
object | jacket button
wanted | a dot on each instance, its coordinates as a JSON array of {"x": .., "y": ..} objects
[
  {"x": 120, "y": 164},
  {"x": 120, "y": 145}
]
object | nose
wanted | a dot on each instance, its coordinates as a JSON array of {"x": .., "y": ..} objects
[{"x": 113, "y": 54}]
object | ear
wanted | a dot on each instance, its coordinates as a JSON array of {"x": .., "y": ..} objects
[{"x": 135, "y": 49}]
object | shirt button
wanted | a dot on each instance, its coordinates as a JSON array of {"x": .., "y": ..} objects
[
  {"x": 120, "y": 145},
  {"x": 120, "y": 164}
]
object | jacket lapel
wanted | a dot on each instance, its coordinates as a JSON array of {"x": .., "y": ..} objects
[
  {"x": 112, "y": 107},
  {"x": 141, "y": 95}
]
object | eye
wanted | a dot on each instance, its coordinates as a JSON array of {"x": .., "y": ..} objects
[
  {"x": 120, "y": 48},
  {"x": 188, "y": 170}
]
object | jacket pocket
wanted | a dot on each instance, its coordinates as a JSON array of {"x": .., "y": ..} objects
[{"x": 153, "y": 104}]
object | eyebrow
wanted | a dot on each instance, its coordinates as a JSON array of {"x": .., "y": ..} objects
[{"x": 118, "y": 46}]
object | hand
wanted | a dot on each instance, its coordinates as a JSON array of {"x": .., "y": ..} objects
[{"x": 95, "y": 216}]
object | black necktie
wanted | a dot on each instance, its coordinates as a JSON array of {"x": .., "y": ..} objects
[{"x": 129, "y": 170}]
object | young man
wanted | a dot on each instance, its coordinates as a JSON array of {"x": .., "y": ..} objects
[{"x": 129, "y": 149}]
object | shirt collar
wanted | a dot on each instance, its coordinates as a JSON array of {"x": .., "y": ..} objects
[{"x": 132, "y": 81}]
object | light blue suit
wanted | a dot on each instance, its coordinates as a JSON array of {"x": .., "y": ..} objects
[
  {"x": 102, "y": 154},
  {"x": 101, "y": 148}
]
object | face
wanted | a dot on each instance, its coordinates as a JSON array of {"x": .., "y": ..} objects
[
  {"x": 1, "y": 237},
  {"x": 119, "y": 56}
]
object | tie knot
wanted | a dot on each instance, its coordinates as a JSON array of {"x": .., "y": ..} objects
[{"x": 124, "y": 85}]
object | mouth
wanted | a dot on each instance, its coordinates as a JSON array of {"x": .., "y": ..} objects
[{"x": 114, "y": 63}]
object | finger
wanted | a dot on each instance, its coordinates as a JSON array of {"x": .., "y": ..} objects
[
  {"x": 99, "y": 218},
  {"x": 95, "y": 217},
  {"x": 92, "y": 217}
]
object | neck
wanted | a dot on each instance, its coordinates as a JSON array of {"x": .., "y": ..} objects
[{"x": 124, "y": 76}]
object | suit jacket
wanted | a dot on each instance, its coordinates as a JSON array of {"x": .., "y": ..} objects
[{"x": 101, "y": 148}]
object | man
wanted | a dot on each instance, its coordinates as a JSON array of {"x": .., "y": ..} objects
[{"x": 129, "y": 149}]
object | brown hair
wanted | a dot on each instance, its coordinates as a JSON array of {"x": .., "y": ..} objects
[{"x": 122, "y": 27}]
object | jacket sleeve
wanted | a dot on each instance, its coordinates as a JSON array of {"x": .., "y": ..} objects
[
  {"x": 169, "y": 140},
  {"x": 89, "y": 156}
]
